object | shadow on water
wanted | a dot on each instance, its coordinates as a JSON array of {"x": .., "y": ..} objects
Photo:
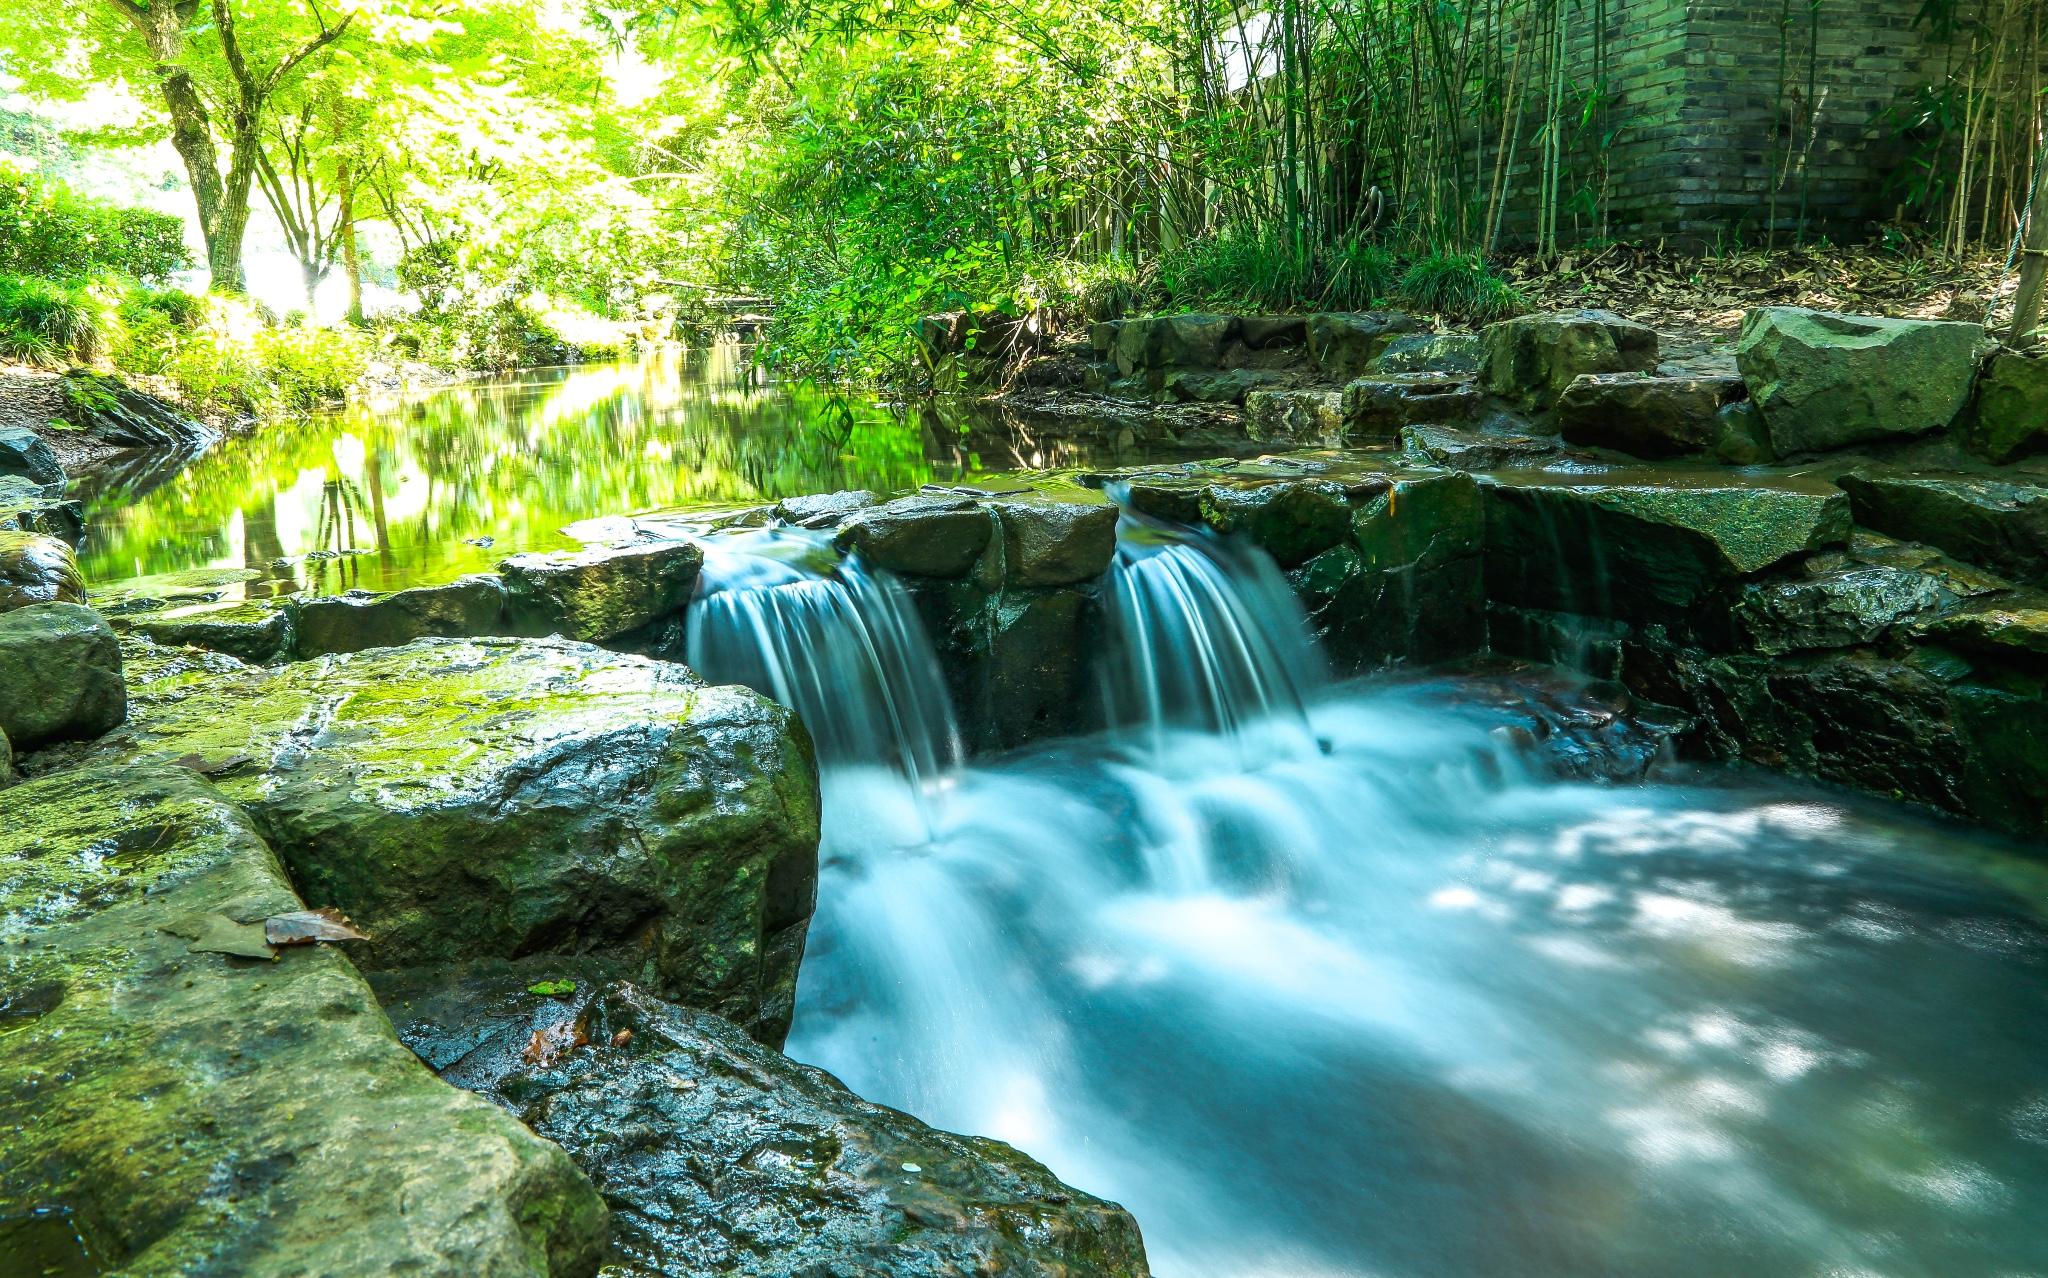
[
  {"x": 1353, "y": 993},
  {"x": 399, "y": 491}
]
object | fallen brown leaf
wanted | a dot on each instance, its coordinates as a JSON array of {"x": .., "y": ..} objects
[{"x": 305, "y": 927}]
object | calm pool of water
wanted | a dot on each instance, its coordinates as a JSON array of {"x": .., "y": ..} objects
[{"x": 412, "y": 490}]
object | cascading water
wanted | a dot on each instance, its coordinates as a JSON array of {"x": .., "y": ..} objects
[{"x": 1359, "y": 996}]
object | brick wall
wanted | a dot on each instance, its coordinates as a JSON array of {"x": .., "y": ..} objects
[{"x": 1709, "y": 117}]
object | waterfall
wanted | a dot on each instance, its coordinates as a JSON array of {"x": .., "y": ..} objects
[
  {"x": 777, "y": 611},
  {"x": 1204, "y": 636}
]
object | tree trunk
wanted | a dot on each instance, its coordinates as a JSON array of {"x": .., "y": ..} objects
[
  {"x": 351, "y": 259},
  {"x": 163, "y": 32}
]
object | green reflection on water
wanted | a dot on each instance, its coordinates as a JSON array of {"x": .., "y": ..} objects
[{"x": 402, "y": 491}]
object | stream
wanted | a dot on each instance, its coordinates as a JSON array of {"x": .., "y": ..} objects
[{"x": 1317, "y": 978}]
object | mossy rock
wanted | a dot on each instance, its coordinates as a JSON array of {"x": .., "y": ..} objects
[
  {"x": 471, "y": 607},
  {"x": 60, "y": 675},
  {"x": 37, "y": 569},
  {"x": 1530, "y": 360},
  {"x": 1055, "y": 543},
  {"x": 1647, "y": 548},
  {"x": 1824, "y": 381},
  {"x": 848, "y": 1187},
  {"x": 1655, "y": 418},
  {"x": 25, "y": 454},
  {"x": 174, "y": 1110},
  {"x": 920, "y": 536},
  {"x": 2000, "y": 524},
  {"x": 600, "y": 592},
  {"x": 1344, "y": 344},
  {"x": 472, "y": 799},
  {"x": 1292, "y": 520},
  {"x": 27, "y": 507},
  {"x": 256, "y": 631}
]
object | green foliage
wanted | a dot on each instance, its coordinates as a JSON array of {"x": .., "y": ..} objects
[
  {"x": 47, "y": 229},
  {"x": 1459, "y": 285},
  {"x": 51, "y": 322}
]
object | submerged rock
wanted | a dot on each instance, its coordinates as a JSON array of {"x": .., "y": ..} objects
[
  {"x": 719, "y": 1157},
  {"x": 37, "y": 569},
  {"x": 474, "y": 799},
  {"x": 600, "y": 592},
  {"x": 469, "y": 608},
  {"x": 1997, "y": 523},
  {"x": 1530, "y": 360},
  {"x": 1651, "y": 417},
  {"x": 1824, "y": 381},
  {"x": 188, "y": 1111},
  {"x": 60, "y": 675},
  {"x": 1645, "y": 548}
]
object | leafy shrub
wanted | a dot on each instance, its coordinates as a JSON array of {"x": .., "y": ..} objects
[
  {"x": 48, "y": 229},
  {"x": 51, "y": 322},
  {"x": 1459, "y": 285}
]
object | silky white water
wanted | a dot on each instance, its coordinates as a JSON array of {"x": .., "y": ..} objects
[{"x": 1325, "y": 980}]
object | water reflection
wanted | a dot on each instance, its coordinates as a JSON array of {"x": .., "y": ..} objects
[{"x": 400, "y": 491}]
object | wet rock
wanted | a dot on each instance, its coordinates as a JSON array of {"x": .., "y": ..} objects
[
  {"x": 112, "y": 412},
  {"x": 1292, "y": 520},
  {"x": 8, "y": 776},
  {"x": 1294, "y": 416},
  {"x": 1344, "y": 344},
  {"x": 490, "y": 798},
  {"x": 1055, "y": 543},
  {"x": 24, "y": 454},
  {"x": 468, "y": 608},
  {"x": 600, "y": 592},
  {"x": 1473, "y": 449},
  {"x": 1740, "y": 438},
  {"x": 1824, "y": 381},
  {"x": 1409, "y": 583},
  {"x": 1173, "y": 341},
  {"x": 826, "y": 510},
  {"x": 26, "y": 507},
  {"x": 60, "y": 675},
  {"x": 2008, "y": 419},
  {"x": 1651, "y": 417},
  {"x": 1018, "y": 660},
  {"x": 809, "y": 1178},
  {"x": 37, "y": 569},
  {"x": 254, "y": 631},
  {"x": 1227, "y": 386},
  {"x": 1849, "y": 607},
  {"x": 193, "y": 1112},
  {"x": 1646, "y": 548},
  {"x": 1996, "y": 523},
  {"x": 1272, "y": 332},
  {"x": 1446, "y": 354},
  {"x": 2015, "y": 627},
  {"x": 1377, "y": 408},
  {"x": 920, "y": 536},
  {"x": 1530, "y": 360},
  {"x": 1588, "y": 645}
]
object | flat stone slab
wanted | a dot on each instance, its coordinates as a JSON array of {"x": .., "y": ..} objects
[
  {"x": 470, "y": 799},
  {"x": 173, "y": 1109},
  {"x": 600, "y": 592},
  {"x": 2000, "y": 524}
]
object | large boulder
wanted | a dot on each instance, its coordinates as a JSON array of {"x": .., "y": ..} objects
[
  {"x": 1640, "y": 549},
  {"x": 1531, "y": 359},
  {"x": 1172, "y": 341},
  {"x": 470, "y": 607},
  {"x": 1996, "y": 523},
  {"x": 60, "y": 675},
  {"x": 503, "y": 797},
  {"x": 1344, "y": 344},
  {"x": 600, "y": 592},
  {"x": 1647, "y": 416},
  {"x": 25, "y": 454},
  {"x": 37, "y": 569},
  {"x": 181, "y": 1099},
  {"x": 1055, "y": 543},
  {"x": 112, "y": 412},
  {"x": 920, "y": 536},
  {"x": 2008, "y": 419},
  {"x": 1824, "y": 381},
  {"x": 721, "y": 1158}
]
